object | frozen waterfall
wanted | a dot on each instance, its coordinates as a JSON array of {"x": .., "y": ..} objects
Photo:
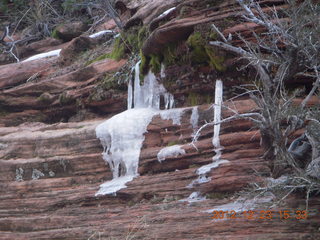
[{"x": 122, "y": 135}]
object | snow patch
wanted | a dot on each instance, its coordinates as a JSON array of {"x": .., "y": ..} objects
[
  {"x": 116, "y": 184},
  {"x": 194, "y": 197},
  {"x": 36, "y": 174},
  {"x": 54, "y": 53},
  {"x": 98, "y": 34},
  {"x": 165, "y": 13},
  {"x": 169, "y": 152},
  {"x": 19, "y": 174}
]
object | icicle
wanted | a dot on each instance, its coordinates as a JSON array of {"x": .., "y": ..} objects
[
  {"x": 130, "y": 94},
  {"x": 217, "y": 118},
  {"x": 137, "y": 97},
  {"x": 162, "y": 71},
  {"x": 149, "y": 94},
  {"x": 194, "y": 120},
  {"x": 202, "y": 171}
]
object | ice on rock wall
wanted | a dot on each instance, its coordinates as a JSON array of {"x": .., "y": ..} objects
[
  {"x": 194, "y": 120},
  {"x": 202, "y": 171},
  {"x": 149, "y": 94},
  {"x": 172, "y": 151},
  {"x": 122, "y": 135}
]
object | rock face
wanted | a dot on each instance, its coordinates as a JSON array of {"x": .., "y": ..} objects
[{"x": 51, "y": 165}]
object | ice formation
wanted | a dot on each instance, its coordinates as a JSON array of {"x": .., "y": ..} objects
[
  {"x": 98, "y": 34},
  {"x": 54, "y": 53},
  {"x": 162, "y": 71},
  {"x": 202, "y": 171},
  {"x": 194, "y": 119},
  {"x": 150, "y": 93},
  {"x": 172, "y": 114},
  {"x": 172, "y": 151},
  {"x": 194, "y": 197},
  {"x": 122, "y": 135},
  {"x": 165, "y": 13}
]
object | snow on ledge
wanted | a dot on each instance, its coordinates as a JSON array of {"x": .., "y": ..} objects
[
  {"x": 54, "y": 53},
  {"x": 172, "y": 151},
  {"x": 116, "y": 184},
  {"x": 101, "y": 33},
  {"x": 165, "y": 13}
]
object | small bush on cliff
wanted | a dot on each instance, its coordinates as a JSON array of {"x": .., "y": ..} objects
[{"x": 288, "y": 49}]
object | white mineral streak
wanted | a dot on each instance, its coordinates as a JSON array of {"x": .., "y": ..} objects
[
  {"x": 98, "y": 34},
  {"x": 169, "y": 152},
  {"x": 165, "y": 13},
  {"x": 202, "y": 171},
  {"x": 54, "y": 53}
]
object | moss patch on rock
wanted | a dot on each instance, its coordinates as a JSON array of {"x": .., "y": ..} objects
[{"x": 202, "y": 53}]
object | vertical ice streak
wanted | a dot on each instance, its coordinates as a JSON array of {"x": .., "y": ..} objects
[
  {"x": 130, "y": 94},
  {"x": 137, "y": 97},
  {"x": 217, "y": 118},
  {"x": 216, "y": 161}
]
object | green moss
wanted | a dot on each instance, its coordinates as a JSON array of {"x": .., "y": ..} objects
[
  {"x": 172, "y": 143},
  {"x": 219, "y": 195},
  {"x": 119, "y": 49},
  {"x": 55, "y": 34},
  {"x": 101, "y": 57},
  {"x": 45, "y": 98},
  {"x": 109, "y": 82},
  {"x": 193, "y": 99},
  {"x": 155, "y": 63},
  {"x": 216, "y": 61},
  {"x": 202, "y": 53},
  {"x": 64, "y": 99},
  {"x": 169, "y": 55}
]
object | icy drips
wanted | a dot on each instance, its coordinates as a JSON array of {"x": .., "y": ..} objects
[
  {"x": 130, "y": 94},
  {"x": 149, "y": 94},
  {"x": 122, "y": 137},
  {"x": 202, "y": 171},
  {"x": 169, "y": 152},
  {"x": 172, "y": 114},
  {"x": 217, "y": 119},
  {"x": 194, "y": 120}
]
